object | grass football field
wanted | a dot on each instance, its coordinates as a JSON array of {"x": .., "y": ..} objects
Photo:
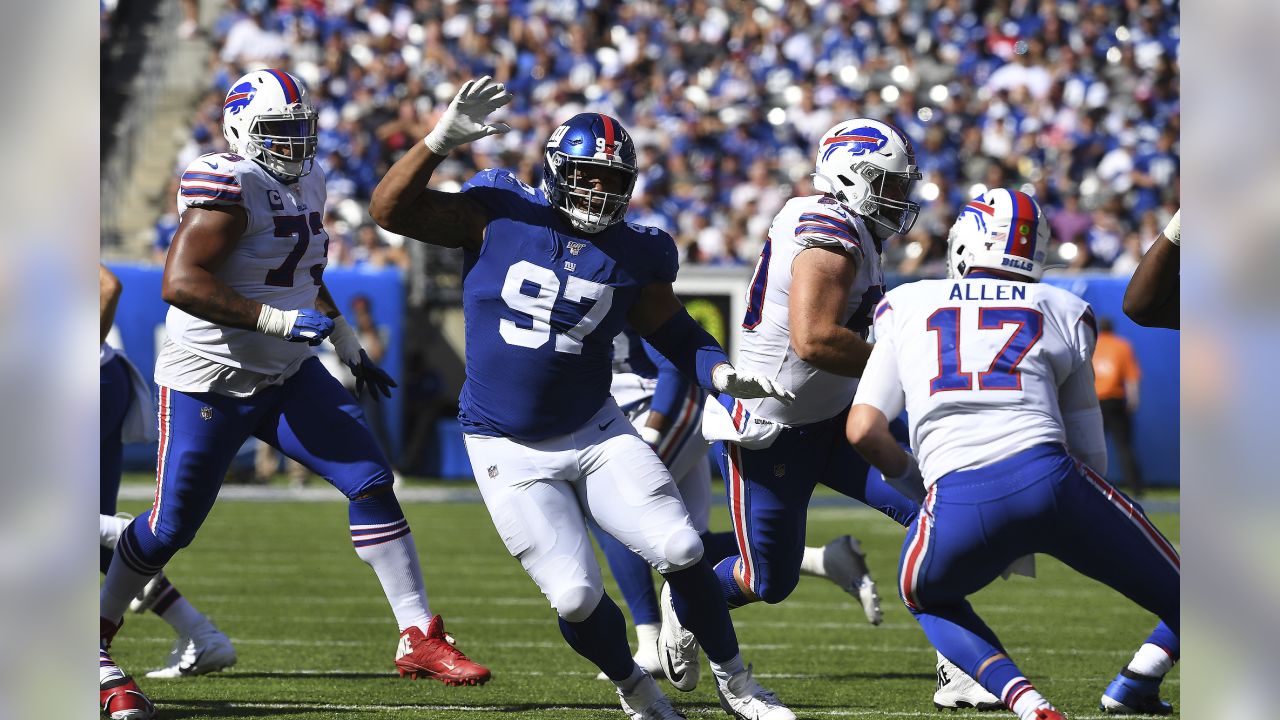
[{"x": 316, "y": 639}]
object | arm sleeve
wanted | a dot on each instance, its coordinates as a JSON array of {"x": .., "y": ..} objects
[
  {"x": 881, "y": 386},
  {"x": 673, "y": 386},
  {"x": 690, "y": 348},
  {"x": 1082, "y": 419}
]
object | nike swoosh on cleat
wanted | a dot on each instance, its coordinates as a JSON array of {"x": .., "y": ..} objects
[
  {"x": 670, "y": 667},
  {"x": 607, "y": 424}
]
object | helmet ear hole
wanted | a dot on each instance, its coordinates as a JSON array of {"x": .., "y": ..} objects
[
  {"x": 847, "y": 182},
  {"x": 234, "y": 131}
]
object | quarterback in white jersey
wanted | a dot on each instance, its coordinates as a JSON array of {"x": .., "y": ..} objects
[
  {"x": 995, "y": 373},
  {"x": 245, "y": 279}
]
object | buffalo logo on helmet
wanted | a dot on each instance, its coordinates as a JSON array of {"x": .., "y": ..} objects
[
  {"x": 857, "y": 142},
  {"x": 239, "y": 98}
]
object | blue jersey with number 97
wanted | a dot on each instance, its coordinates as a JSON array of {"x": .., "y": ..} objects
[{"x": 542, "y": 305}]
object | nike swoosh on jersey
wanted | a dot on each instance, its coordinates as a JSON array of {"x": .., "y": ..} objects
[
  {"x": 602, "y": 426},
  {"x": 212, "y": 165}
]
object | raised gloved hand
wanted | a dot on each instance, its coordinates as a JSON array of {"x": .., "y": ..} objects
[
  {"x": 306, "y": 325},
  {"x": 464, "y": 120},
  {"x": 367, "y": 373},
  {"x": 743, "y": 386}
]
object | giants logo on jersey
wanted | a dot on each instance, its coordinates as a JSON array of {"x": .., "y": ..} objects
[{"x": 858, "y": 142}]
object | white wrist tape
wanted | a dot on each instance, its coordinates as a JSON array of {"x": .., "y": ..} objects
[
  {"x": 436, "y": 142},
  {"x": 276, "y": 322},
  {"x": 1173, "y": 230},
  {"x": 650, "y": 435},
  {"x": 720, "y": 376}
]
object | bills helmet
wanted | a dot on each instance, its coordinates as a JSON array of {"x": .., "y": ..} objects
[
  {"x": 1000, "y": 229},
  {"x": 870, "y": 167},
  {"x": 267, "y": 117},
  {"x": 587, "y": 146}
]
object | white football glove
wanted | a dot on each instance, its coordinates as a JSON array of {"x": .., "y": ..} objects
[
  {"x": 464, "y": 120},
  {"x": 744, "y": 386}
]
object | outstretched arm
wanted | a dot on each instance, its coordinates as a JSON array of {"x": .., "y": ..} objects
[
  {"x": 109, "y": 289},
  {"x": 661, "y": 319},
  {"x": 1151, "y": 299},
  {"x": 403, "y": 204}
]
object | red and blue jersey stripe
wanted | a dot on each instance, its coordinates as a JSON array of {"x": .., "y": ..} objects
[
  {"x": 820, "y": 224},
  {"x": 209, "y": 185}
]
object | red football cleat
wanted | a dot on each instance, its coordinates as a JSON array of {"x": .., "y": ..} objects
[
  {"x": 123, "y": 700},
  {"x": 1049, "y": 714},
  {"x": 433, "y": 656}
]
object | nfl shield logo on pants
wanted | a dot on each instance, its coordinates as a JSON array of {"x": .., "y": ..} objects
[
  {"x": 493, "y": 471},
  {"x": 206, "y": 413}
]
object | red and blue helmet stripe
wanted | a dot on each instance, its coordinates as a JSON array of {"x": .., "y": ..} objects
[
  {"x": 292, "y": 93},
  {"x": 1023, "y": 226}
]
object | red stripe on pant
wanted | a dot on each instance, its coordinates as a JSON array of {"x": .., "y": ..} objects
[
  {"x": 1135, "y": 516},
  {"x": 909, "y": 580},
  {"x": 666, "y": 448},
  {"x": 162, "y": 453},
  {"x": 738, "y": 509}
]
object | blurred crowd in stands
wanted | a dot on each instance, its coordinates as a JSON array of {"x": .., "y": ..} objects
[{"x": 1077, "y": 102}]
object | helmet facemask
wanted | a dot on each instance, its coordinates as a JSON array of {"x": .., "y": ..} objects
[
  {"x": 284, "y": 142},
  {"x": 885, "y": 204},
  {"x": 569, "y": 189}
]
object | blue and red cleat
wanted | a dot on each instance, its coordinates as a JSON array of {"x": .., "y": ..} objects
[{"x": 1134, "y": 694}]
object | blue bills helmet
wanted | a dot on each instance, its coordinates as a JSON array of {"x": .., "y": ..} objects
[{"x": 587, "y": 148}]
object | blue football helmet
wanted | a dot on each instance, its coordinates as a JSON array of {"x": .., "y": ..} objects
[{"x": 584, "y": 141}]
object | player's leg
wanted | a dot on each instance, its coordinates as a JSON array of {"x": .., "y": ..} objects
[
  {"x": 1123, "y": 549},
  {"x": 635, "y": 580},
  {"x": 630, "y": 493},
  {"x": 768, "y": 493},
  {"x": 115, "y": 395},
  {"x": 320, "y": 425},
  {"x": 542, "y": 524},
  {"x": 973, "y": 524},
  {"x": 199, "y": 436}
]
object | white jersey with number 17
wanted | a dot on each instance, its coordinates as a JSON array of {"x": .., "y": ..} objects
[{"x": 978, "y": 364}]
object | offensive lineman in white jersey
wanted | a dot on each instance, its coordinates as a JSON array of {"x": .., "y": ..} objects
[
  {"x": 245, "y": 280},
  {"x": 995, "y": 372},
  {"x": 808, "y": 311}
]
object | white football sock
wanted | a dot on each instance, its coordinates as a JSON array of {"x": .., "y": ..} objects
[
  {"x": 119, "y": 589},
  {"x": 626, "y": 686},
  {"x": 109, "y": 529},
  {"x": 395, "y": 562},
  {"x": 729, "y": 668},
  {"x": 1151, "y": 660},
  {"x": 1027, "y": 703},
  {"x": 183, "y": 617},
  {"x": 811, "y": 563},
  {"x": 647, "y": 637}
]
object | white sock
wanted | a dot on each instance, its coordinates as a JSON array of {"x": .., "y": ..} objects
[
  {"x": 119, "y": 589},
  {"x": 183, "y": 617},
  {"x": 811, "y": 563},
  {"x": 1151, "y": 660},
  {"x": 647, "y": 637},
  {"x": 632, "y": 680},
  {"x": 1028, "y": 703},
  {"x": 109, "y": 529},
  {"x": 107, "y": 668},
  {"x": 729, "y": 668},
  {"x": 395, "y": 562}
]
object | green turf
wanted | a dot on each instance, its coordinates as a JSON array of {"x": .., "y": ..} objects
[{"x": 316, "y": 639}]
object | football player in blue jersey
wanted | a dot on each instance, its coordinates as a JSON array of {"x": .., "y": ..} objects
[
  {"x": 551, "y": 276},
  {"x": 245, "y": 282}
]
